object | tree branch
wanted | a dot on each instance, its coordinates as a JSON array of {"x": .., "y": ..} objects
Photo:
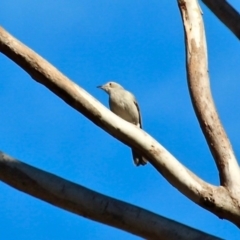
[
  {"x": 209, "y": 197},
  {"x": 199, "y": 87},
  {"x": 226, "y": 14},
  {"x": 87, "y": 203}
]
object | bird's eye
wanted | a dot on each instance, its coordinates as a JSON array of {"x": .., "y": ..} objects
[{"x": 110, "y": 84}]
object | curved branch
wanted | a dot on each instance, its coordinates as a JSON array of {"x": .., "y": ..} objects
[
  {"x": 209, "y": 197},
  {"x": 225, "y": 13},
  {"x": 199, "y": 87},
  {"x": 92, "y": 205}
]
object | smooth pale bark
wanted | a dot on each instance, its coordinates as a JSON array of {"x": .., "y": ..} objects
[
  {"x": 200, "y": 92},
  {"x": 90, "y": 204},
  {"x": 226, "y": 14},
  {"x": 223, "y": 200},
  {"x": 213, "y": 198}
]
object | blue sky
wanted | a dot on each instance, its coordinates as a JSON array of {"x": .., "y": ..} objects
[{"x": 140, "y": 45}]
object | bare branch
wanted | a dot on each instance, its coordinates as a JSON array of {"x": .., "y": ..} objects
[
  {"x": 210, "y": 197},
  {"x": 92, "y": 205},
  {"x": 76, "y": 97},
  {"x": 225, "y": 13},
  {"x": 199, "y": 87}
]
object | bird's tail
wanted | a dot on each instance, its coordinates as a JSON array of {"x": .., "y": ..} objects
[{"x": 138, "y": 158}]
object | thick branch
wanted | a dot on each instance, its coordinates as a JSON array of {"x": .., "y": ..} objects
[
  {"x": 208, "y": 196},
  {"x": 76, "y": 97},
  {"x": 92, "y": 205},
  {"x": 225, "y": 13},
  {"x": 199, "y": 87}
]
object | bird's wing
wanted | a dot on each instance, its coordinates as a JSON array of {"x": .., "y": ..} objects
[{"x": 139, "y": 113}]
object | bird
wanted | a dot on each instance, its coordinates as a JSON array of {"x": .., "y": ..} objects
[{"x": 124, "y": 104}]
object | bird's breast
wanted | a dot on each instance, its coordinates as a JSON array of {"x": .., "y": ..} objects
[{"x": 125, "y": 109}]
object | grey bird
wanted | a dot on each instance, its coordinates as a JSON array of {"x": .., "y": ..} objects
[{"x": 124, "y": 104}]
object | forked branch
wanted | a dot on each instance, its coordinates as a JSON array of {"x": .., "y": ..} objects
[{"x": 215, "y": 199}]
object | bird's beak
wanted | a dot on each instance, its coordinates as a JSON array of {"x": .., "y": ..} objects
[{"x": 101, "y": 86}]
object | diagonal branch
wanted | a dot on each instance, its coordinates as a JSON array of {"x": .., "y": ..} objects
[
  {"x": 199, "y": 87},
  {"x": 79, "y": 99},
  {"x": 215, "y": 199},
  {"x": 225, "y": 13},
  {"x": 90, "y": 204}
]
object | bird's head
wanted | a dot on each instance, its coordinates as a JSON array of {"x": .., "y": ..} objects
[{"x": 110, "y": 86}]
